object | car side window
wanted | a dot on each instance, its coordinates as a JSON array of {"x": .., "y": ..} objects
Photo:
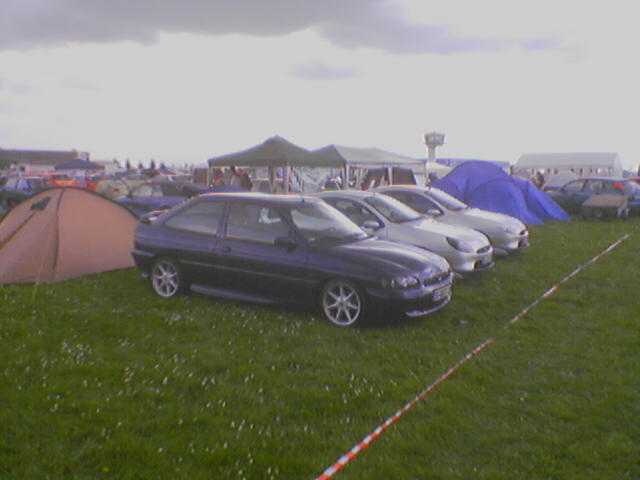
[
  {"x": 594, "y": 186},
  {"x": 573, "y": 187},
  {"x": 203, "y": 217},
  {"x": 256, "y": 223},
  {"x": 357, "y": 213}
]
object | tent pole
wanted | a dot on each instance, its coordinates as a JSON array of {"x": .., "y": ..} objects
[
  {"x": 272, "y": 183},
  {"x": 285, "y": 178}
]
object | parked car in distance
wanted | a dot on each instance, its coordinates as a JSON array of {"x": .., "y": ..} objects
[
  {"x": 17, "y": 189},
  {"x": 506, "y": 234},
  {"x": 153, "y": 196},
  {"x": 465, "y": 249},
  {"x": 61, "y": 180},
  {"x": 575, "y": 193},
  {"x": 292, "y": 249}
]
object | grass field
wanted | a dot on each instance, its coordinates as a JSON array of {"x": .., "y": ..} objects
[{"x": 99, "y": 378}]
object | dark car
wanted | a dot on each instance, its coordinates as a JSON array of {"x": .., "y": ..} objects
[
  {"x": 17, "y": 189},
  {"x": 292, "y": 249},
  {"x": 572, "y": 195},
  {"x": 158, "y": 196}
]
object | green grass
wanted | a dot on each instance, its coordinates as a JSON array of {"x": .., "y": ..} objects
[{"x": 99, "y": 378}]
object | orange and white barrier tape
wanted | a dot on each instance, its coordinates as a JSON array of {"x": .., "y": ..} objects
[{"x": 371, "y": 437}]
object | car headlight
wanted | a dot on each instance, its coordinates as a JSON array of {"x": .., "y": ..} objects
[
  {"x": 400, "y": 282},
  {"x": 460, "y": 245}
]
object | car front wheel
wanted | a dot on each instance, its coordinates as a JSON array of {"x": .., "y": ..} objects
[
  {"x": 166, "y": 278},
  {"x": 342, "y": 303}
]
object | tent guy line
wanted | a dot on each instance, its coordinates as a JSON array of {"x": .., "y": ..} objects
[{"x": 371, "y": 437}]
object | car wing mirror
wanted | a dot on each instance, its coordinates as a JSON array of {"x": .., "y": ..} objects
[
  {"x": 286, "y": 243},
  {"x": 434, "y": 212},
  {"x": 371, "y": 225}
]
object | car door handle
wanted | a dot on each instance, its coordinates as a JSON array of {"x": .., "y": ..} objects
[{"x": 226, "y": 249}]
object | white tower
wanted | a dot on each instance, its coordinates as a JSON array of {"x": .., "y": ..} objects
[{"x": 433, "y": 140}]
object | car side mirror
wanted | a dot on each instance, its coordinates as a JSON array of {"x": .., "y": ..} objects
[
  {"x": 434, "y": 212},
  {"x": 371, "y": 225},
  {"x": 286, "y": 243}
]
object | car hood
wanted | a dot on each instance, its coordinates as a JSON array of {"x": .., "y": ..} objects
[
  {"x": 390, "y": 258},
  {"x": 433, "y": 227},
  {"x": 480, "y": 219}
]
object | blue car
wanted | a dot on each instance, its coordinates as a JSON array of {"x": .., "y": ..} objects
[
  {"x": 287, "y": 249},
  {"x": 151, "y": 197},
  {"x": 572, "y": 195}
]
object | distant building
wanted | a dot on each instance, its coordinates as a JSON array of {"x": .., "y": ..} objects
[
  {"x": 582, "y": 164},
  {"x": 37, "y": 161}
]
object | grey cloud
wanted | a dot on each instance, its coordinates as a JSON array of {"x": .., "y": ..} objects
[
  {"x": 322, "y": 71},
  {"x": 377, "y": 24}
]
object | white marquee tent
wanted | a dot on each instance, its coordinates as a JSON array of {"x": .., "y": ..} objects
[{"x": 582, "y": 164}]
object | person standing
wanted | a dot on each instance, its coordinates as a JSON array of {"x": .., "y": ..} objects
[{"x": 234, "y": 178}]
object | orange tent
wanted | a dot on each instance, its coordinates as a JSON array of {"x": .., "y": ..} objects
[{"x": 64, "y": 233}]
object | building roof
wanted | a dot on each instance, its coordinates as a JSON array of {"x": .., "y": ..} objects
[
  {"x": 39, "y": 157},
  {"x": 575, "y": 159}
]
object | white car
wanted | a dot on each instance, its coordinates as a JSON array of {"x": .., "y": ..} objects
[
  {"x": 465, "y": 249},
  {"x": 507, "y": 234}
]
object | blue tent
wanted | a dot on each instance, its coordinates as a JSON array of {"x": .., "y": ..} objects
[
  {"x": 486, "y": 186},
  {"x": 454, "y": 162}
]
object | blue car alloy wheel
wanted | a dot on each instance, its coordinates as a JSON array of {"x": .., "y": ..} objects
[
  {"x": 165, "y": 278},
  {"x": 341, "y": 303}
]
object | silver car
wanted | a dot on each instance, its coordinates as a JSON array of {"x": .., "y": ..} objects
[
  {"x": 507, "y": 234},
  {"x": 465, "y": 249}
]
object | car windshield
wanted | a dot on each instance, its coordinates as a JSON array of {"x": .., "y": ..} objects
[
  {"x": 447, "y": 201},
  {"x": 392, "y": 209},
  {"x": 318, "y": 222}
]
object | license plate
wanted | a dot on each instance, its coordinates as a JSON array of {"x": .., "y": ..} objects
[{"x": 441, "y": 293}]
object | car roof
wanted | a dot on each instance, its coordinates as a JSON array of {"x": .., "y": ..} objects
[
  {"x": 389, "y": 188},
  {"x": 608, "y": 179},
  {"x": 354, "y": 194},
  {"x": 270, "y": 198}
]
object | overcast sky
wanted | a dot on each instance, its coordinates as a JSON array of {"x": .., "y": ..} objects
[{"x": 183, "y": 80}]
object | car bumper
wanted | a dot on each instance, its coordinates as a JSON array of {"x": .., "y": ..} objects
[
  {"x": 463, "y": 262},
  {"x": 413, "y": 302},
  {"x": 142, "y": 260},
  {"x": 511, "y": 244}
]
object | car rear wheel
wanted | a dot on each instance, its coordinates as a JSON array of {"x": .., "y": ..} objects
[
  {"x": 166, "y": 278},
  {"x": 342, "y": 303}
]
